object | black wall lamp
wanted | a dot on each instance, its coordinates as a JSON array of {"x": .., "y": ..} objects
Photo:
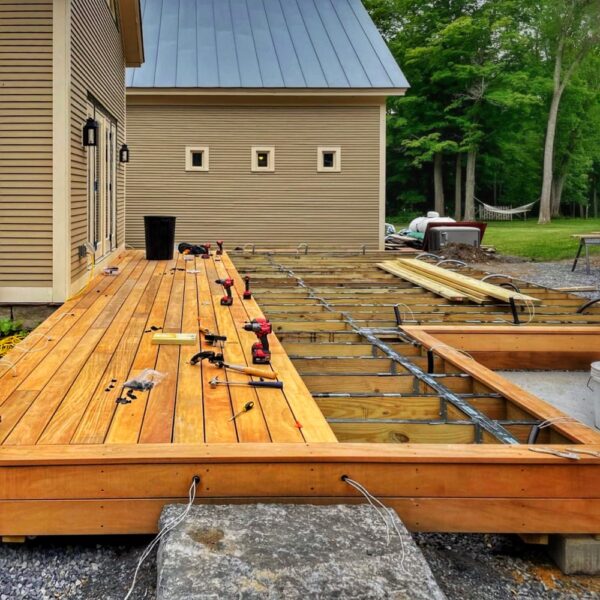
[
  {"x": 90, "y": 132},
  {"x": 124, "y": 154}
]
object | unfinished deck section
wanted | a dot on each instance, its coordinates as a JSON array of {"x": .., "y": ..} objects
[
  {"x": 73, "y": 461},
  {"x": 374, "y": 383}
]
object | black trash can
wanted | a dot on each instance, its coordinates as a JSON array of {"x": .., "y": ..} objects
[{"x": 160, "y": 237}]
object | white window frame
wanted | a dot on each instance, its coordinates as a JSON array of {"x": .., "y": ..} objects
[
  {"x": 189, "y": 150},
  {"x": 337, "y": 159},
  {"x": 256, "y": 150}
]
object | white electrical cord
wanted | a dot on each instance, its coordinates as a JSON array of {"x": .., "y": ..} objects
[
  {"x": 384, "y": 513},
  {"x": 166, "y": 529}
]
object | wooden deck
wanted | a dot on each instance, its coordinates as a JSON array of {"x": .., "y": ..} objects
[
  {"x": 74, "y": 461},
  {"x": 65, "y": 385}
]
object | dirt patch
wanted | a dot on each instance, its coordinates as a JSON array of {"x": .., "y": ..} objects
[{"x": 468, "y": 254}]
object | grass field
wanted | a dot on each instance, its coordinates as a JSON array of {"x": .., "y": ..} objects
[{"x": 537, "y": 242}]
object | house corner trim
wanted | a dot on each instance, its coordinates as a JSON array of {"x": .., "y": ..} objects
[{"x": 61, "y": 156}]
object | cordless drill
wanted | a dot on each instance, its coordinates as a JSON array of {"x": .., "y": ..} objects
[
  {"x": 247, "y": 293},
  {"x": 261, "y": 354},
  {"x": 227, "y": 299},
  {"x": 220, "y": 247},
  {"x": 207, "y": 253}
]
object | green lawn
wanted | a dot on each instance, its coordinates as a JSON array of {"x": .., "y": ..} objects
[{"x": 537, "y": 242}]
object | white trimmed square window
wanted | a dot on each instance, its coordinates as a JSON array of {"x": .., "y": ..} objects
[
  {"x": 329, "y": 159},
  {"x": 196, "y": 158},
  {"x": 263, "y": 158}
]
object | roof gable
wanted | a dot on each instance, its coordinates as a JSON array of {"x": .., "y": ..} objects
[{"x": 294, "y": 44}]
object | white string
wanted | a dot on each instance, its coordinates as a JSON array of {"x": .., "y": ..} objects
[
  {"x": 408, "y": 309},
  {"x": 442, "y": 345},
  {"x": 21, "y": 347},
  {"x": 554, "y": 420},
  {"x": 384, "y": 512},
  {"x": 9, "y": 365},
  {"x": 166, "y": 529}
]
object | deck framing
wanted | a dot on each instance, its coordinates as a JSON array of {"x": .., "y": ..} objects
[{"x": 86, "y": 467}]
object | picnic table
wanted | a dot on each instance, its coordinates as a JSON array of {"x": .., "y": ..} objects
[{"x": 585, "y": 241}]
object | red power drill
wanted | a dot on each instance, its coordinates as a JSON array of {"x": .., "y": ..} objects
[
  {"x": 261, "y": 354},
  {"x": 227, "y": 299},
  {"x": 220, "y": 247},
  {"x": 207, "y": 255},
  {"x": 247, "y": 293}
]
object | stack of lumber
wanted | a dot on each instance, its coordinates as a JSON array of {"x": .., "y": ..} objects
[{"x": 451, "y": 285}]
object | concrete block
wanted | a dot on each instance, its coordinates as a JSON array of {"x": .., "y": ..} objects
[
  {"x": 576, "y": 553},
  {"x": 289, "y": 552}
]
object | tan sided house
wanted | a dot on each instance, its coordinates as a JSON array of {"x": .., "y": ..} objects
[
  {"x": 62, "y": 203},
  {"x": 260, "y": 121}
]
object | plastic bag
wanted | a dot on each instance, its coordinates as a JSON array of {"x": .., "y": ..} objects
[{"x": 146, "y": 380}]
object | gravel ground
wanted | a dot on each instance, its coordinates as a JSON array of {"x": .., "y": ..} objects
[
  {"x": 467, "y": 567},
  {"x": 550, "y": 274},
  {"x": 89, "y": 568}
]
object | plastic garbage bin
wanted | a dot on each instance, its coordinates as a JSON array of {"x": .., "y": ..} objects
[{"x": 160, "y": 237}]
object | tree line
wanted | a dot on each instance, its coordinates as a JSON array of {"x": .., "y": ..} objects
[{"x": 504, "y": 105}]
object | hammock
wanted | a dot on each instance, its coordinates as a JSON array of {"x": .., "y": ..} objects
[{"x": 508, "y": 211}]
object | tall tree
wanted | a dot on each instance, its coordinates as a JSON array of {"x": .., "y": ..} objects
[{"x": 571, "y": 29}]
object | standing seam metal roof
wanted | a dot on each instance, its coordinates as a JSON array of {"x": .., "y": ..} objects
[{"x": 263, "y": 44}]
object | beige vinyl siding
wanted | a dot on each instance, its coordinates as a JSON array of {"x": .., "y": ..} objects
[
  {"x": 97, "y": 69},
  {"x": 293, "y": 204},
  {"x": 26, "y": 143}
]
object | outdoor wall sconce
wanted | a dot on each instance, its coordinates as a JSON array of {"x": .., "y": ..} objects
[
  {"x": 124, "y": 154},
  {"x": 90, "y": 132}
]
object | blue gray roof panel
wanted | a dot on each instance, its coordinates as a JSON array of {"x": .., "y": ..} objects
[{"x": 263, "y": 44}]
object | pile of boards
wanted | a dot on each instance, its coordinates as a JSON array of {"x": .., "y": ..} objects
[{"x": 451, "y": 285}]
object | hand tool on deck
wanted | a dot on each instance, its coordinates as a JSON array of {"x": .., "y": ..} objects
[
  {"x": 217, "y": 359},
  {"x": 261, "y": 353},
  {"x": 247, "y": 293},
  {"x": 207, "y": 253},
  {"x": 275, "y": 385},
  {"x": 213, "y": 339},
  {"x": 248, "y": 406},
  {"x": 227, "y": 299},
  {"x": 219, "y": 247}
]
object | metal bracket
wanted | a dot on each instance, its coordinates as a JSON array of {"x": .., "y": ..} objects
[{"x": 586, "y": 305}]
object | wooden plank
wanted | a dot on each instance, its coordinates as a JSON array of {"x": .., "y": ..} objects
[
  {"x": 441, "y": 290},
  {"x": 402, "y": 433},
  {"x": 188, "y": 426},
  {"x": 477, "y": 286},
  {"x": 157, "y": 426},
  {"x": 141, "y": 516},
  {"x": 308, "y": 479}
]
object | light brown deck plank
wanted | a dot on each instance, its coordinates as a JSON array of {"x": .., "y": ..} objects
[{"x": 157, "y": 426}]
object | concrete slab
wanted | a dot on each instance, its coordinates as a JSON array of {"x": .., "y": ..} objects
[
  {"x": 576, "y": 554},
  {"x": 289, "y": 551},
  {"x": 567, "y": 390}
]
